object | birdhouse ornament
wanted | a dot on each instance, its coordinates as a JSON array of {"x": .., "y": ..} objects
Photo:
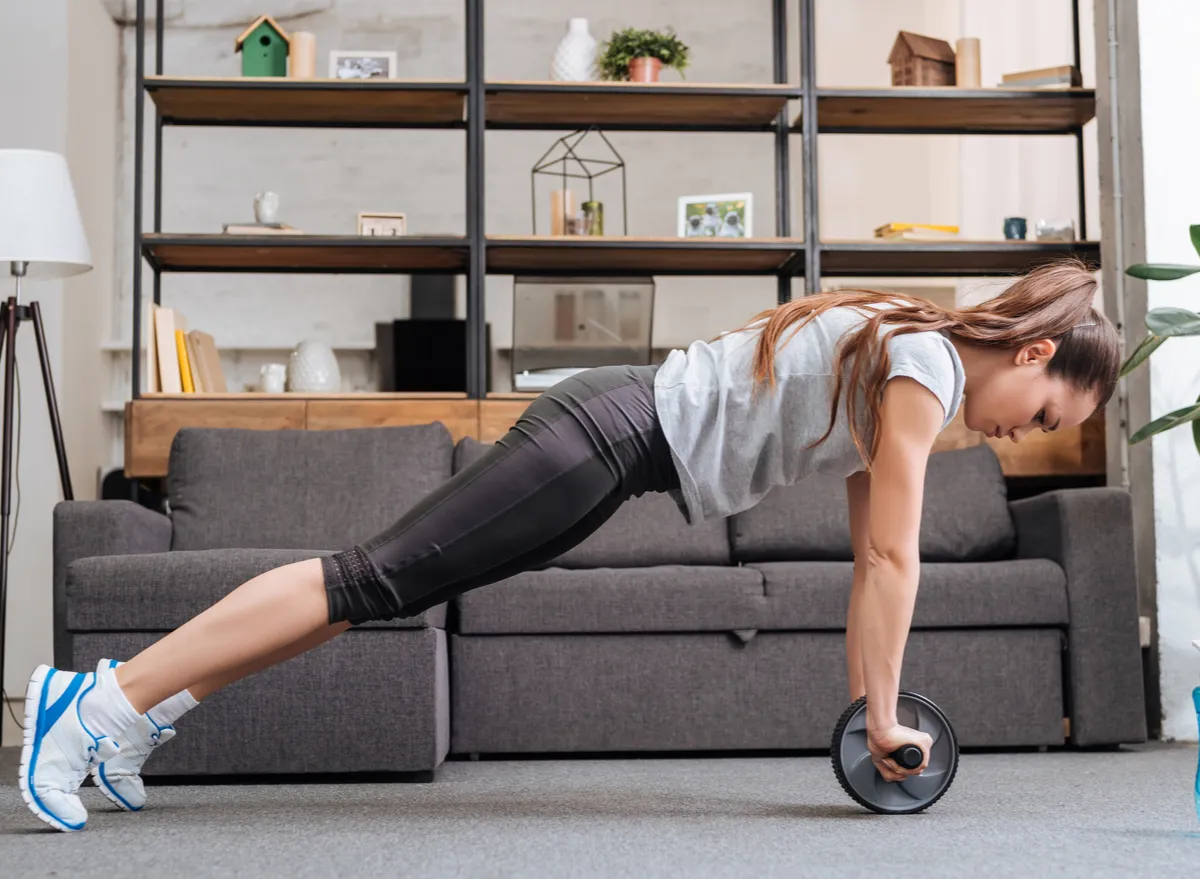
[{"x": 264, "y": 47}]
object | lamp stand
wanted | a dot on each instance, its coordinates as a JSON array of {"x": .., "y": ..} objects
[{"x": 12, "y": 313}]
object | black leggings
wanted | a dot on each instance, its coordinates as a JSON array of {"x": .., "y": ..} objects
[{"x": 578, "y": 452}]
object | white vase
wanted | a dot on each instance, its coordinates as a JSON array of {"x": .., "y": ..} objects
[
  {"x": 575, "y": 58},
  {"x": 313, "y": 369}
]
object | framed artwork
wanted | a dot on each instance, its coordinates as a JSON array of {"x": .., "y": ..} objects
[
  {"x": 382, "y": 224},
  {"x": 723, "y": 215},
  {"x": 361, "y": 64}
]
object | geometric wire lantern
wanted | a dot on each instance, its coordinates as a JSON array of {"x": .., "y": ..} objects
[{"x": 570, "y": 163}]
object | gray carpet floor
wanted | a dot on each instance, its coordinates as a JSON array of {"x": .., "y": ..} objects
[{"x": 1124, "y": 814}]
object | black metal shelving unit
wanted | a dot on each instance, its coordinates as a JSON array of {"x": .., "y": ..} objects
[{"x": 475, "y": 106}]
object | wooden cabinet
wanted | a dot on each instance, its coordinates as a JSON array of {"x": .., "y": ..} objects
[{"x": 152, "y": 421}]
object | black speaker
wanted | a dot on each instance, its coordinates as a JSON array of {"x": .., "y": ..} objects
[
  {"x": 432, "y": 296},
  {"x": 425, "y": 355}
]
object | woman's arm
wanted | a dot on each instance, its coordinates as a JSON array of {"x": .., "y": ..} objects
[
  {"x": 911, "y": 419},
  {"x": 858, "y": 497}
]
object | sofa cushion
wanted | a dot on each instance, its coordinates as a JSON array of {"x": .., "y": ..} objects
[
  {"x": 666, "y": 598},
  {"x": 964, "y": 517},
  {"x": 161, "y": 591},
  {"x": 298, "y": 489},
  {"x": 645, "y": 531},
  {"x": 1024, "y": 592}
]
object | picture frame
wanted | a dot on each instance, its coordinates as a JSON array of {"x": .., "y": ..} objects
[
  {"x": 717, "y": 215},
  {"x": 362, "y": 64},
  {"x": 381, "y": 224}
]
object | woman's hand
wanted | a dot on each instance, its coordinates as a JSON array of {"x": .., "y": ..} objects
[{"x": 882, "y": 742}]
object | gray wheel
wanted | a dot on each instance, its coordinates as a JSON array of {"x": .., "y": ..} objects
[{"x": 861, "y": 780}]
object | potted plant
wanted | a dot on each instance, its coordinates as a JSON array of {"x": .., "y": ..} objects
[
  {"x": 639, "y": 55},
  {"x": 1162, "y": 324}
]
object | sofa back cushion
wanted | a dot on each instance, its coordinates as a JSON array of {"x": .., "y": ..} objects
[
  {"x": 645, "y": 531},
  {"x": 299, "y": 489},
  {"x": 964, "y": 516}
]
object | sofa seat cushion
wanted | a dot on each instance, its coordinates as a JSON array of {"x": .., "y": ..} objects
[
  {"x": 160, "y": 591},
  {"x": 964, "y": 515},
  {"x": 666, "y": 598},
  {"x": 298, "y": 489},
  {"x": 644, "y": 531},
  {"x": 1025, "y": 592}
]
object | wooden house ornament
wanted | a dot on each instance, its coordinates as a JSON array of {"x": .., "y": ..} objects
[
  {"x": 264, "y": 47},
  {"x": 918, "y": 60}
]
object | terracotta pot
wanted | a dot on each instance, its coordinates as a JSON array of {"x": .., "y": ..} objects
[{"x": 644, "y": 69}]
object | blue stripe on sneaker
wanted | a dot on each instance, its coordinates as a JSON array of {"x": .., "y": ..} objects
[
  {"x": 112, "y": 790},
  {"x": 61, "y": 703},
  {"x": 95, "y": 739},
  {"x": 41, "y": 730}
]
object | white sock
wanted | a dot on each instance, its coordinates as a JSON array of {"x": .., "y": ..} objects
[
  {"x": 169, "y": 710},
  {"x": 104, "y": 709}
]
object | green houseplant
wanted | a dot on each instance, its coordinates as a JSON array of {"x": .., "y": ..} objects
[
  {"x": 639, "y": 55},
  {"x": 1162, "y": 324}
]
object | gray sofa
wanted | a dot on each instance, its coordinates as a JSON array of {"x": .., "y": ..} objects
[{"x": 650, "y": 636}]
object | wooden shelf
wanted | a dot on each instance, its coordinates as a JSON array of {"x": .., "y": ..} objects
[
  {"x": 304, "y": 253},
  {"x": 946, "y": 259},
  {"x": 282, "y": 101},
  {"x": 257, "y": 397},
  {"x": 612, "y": 255},
  {"x": 645, "y": 106},
  {"x": 950, "y": 110}
]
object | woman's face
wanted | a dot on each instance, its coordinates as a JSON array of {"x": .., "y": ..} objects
[{"x": 1014, "y": 396}]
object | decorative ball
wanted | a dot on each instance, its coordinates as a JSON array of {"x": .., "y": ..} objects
[{"x": 313, "y": 369}]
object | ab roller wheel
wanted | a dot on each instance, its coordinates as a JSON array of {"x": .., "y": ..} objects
[{"x": 861, "y": 780}]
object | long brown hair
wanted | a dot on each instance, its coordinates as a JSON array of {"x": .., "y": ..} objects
[{"x": 1053, "y": 302}]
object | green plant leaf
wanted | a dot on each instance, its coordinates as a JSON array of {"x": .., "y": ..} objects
[
  {"x": 1194, "y": 231},
  {"x": 1172, "y": 322},
  {"x": 1160, "y": 271},
  {"x": 1149, "y": 345},
  {"x": 1166, "y": 422},
  {"x": 1196, "y": 431}
]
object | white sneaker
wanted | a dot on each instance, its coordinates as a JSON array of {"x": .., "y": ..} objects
[
  {"x": 119, "y": 777},
  {"x": 58, "y": 747}
]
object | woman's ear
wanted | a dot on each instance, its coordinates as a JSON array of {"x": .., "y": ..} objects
[{"x": 1037, "y": 353}]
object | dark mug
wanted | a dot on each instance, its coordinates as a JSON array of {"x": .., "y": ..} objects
[{"x": 1014, "y": 227}]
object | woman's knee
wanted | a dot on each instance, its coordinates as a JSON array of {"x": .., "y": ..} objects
[{"x": 355, "y": 591}]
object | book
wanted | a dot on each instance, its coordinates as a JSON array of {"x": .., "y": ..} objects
[
  {"x": 1065, "y": 76},
  {"x": 152, "y": 380},
  {"x": 170, "y": 380},
  {"x": 194, "y": 365},
  {"x": 185, "y": 370},
  {"x": 915, "y": 231},
  {"x": 260, "y": 229},
  {"x": 209, "y": 362},
  {"x": 918, "y": 235}
]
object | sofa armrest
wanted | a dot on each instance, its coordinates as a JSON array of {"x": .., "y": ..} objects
[
  {"x": 83, "y": 529},
  {"x": 1089, "y": 533}
]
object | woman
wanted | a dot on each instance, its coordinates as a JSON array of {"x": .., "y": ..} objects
[{"x": 854, "y": 383}]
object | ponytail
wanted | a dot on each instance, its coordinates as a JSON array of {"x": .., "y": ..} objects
[{"x": 1053, "y": 301}]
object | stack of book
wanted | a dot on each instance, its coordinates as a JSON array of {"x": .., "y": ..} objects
[
  {"x": 916, "y": 232},
  {"x": 182, "y": 361},
  {"x": 1064, "y": 77}
]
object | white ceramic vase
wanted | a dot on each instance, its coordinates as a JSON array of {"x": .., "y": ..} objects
[
  {"x": 313, "y": 369},
  {"x": 575, "y": 58}
]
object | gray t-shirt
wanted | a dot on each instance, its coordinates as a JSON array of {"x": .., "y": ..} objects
[{"x": 732, "y": 448}]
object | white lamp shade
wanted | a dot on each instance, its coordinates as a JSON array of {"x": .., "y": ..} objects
[{"x": 39, "y": 218}]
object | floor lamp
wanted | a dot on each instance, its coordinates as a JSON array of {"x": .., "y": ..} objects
[{"x": 41, "y": 236}]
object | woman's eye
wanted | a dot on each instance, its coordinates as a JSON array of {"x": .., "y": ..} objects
[{"x": 1041, "y": 418}]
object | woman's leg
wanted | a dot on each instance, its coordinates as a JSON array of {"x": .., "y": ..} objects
[
  {"x": 278, "y": 612},
  {"x": 576, "y": 454},
  {"x": 206, "y": 687}
]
